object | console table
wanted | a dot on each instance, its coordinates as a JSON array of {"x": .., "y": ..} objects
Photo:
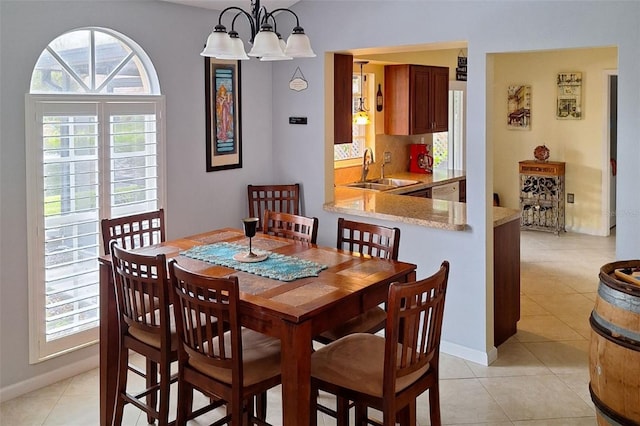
[{"x": 542, "y": 196}]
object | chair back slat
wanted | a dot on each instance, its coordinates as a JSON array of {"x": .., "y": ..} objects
[
  {"x": 141, "y": 288},
  {"x": 138, "y": 230},
  {"x": 278, "y": 198},
  {"x": 414, "y": 324},
  {"x": 294, "y": 227},
  {"x": 205, "y": 309},
  {"x": 367, "y": 238}
]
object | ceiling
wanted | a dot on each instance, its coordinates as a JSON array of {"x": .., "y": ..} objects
[
  {"x": 368, "y": 53},
  {"x": 245, "y": 4}
]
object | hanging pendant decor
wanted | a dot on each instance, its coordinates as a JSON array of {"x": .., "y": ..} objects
[
  {"x": 461, "y": 69},
  {"x": 298, "y": 82}
]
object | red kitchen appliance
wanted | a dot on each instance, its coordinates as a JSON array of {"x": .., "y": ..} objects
[{"x": 420, "y": 158}]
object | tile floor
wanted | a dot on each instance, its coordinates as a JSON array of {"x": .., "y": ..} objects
[{"x": 540, "y": 378}]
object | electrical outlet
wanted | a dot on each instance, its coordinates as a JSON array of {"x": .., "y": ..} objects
[
  {"x": 387, "y": 157},
  {"x": 570, "y": 198}
]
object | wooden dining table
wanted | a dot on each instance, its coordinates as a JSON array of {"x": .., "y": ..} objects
[{"x": 293, "y": 311}]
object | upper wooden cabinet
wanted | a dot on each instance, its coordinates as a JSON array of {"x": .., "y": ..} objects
[
  {"x": 342, "y": 98},
  {"x": 416, "y": 99}
]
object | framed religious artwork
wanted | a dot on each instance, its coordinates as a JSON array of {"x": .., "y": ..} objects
[
  {"x": 569, "y": 106},
  {"x": 519, "y": 107},
  {"x": 223, "y": 132}
]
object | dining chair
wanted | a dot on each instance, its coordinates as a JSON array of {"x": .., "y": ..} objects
[
  {"x": 218, "y": 357},
  {"x": 388, "y": 373},
  {"x": 137, "y": 230},
  {"x": 279, "y": 198},
  {"x": 292, "y": 226},
  {"x": 146, "y": 328},
  {"x": 373, "y": 240}
]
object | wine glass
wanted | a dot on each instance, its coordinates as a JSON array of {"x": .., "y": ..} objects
[{"x": 250, "y": 224}]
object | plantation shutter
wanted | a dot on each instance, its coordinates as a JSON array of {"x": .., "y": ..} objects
[{"x": 89, "y": 160}]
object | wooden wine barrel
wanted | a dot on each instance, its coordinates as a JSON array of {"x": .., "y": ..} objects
[{"x": 614, "y": 353}]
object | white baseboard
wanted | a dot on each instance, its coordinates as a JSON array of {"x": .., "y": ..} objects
[
  {"x": 48, "y": 378},
  {"x": 473, "y": 355},
  {"x": 587, "y": 231}
]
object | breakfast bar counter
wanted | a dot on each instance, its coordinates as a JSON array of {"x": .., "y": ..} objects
[
  {"x": 398, "y": 208},
  {"x": 449, "y": 215},
  {"x": 392, "y": 206}
]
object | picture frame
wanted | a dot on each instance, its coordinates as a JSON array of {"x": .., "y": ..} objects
[
  {"x": 569, "y": 103},
  {"x": 223, "y": 130},
  {"x": 519, "y": 107}
]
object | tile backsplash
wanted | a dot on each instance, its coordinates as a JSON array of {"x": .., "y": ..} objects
[{"x": 398, "y": 146}]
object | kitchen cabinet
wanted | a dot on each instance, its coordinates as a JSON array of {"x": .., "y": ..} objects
[
  {"x": 463, "y": 191},
  {"x": 416, "y": 99},
  {"x": 422, "y": 193},
  {"x": 448, "y": 191},
  {"x": 542, "y": 196},
  {"x": 506, "y": 280},
  {"x": 342, "y": 98},
  {"x": 428, "y": 192}
]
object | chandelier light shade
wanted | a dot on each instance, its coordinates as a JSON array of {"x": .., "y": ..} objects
[
  {"x": 235, "y": 49},
  {"x": 299, "y": 45},
  {"x": 267, "y": 42},
  {"x": 361, "y": 115},
  {"x": 283, "y": 46},
  {"x": 218, "y": 42}
]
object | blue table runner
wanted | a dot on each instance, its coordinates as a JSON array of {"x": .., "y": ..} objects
[{"x": 276, "y": 266}]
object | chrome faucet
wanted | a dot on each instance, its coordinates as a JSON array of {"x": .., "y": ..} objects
[{"x": 367, "y": 158}]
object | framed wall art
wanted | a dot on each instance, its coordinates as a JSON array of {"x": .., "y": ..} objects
[
  {"x": 223, "y": 136},
  {"x": 569, "y": 106},
  {"x": 519, "y": 107}
]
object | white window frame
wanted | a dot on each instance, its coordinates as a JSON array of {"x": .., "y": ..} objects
[
  {"x": 456, "y": 133},
  {"x": 458, "y": 128},
  {"x": 103, "y": 106}
]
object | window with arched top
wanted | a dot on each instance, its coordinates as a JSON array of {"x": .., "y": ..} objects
[
  {"x": 94, "y": 61},
  {"x": 95, "y": 149}
]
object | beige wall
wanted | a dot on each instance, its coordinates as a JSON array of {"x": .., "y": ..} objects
[{"x": 579, "y": 143}]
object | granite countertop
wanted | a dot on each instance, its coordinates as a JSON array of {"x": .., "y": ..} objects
[
  {"x": 502, "y": 215},
  {"x": 392, "y": 205},
  {"x": 399, "y": 208}
]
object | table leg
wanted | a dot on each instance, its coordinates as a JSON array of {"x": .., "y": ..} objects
[
  {"x": 296, "y": 374},
  {"x": 108, "y": 346}
]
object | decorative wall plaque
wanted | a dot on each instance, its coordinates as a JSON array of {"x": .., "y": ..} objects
[
  {"x": 298, "y": 82},
  {"x": 461, "y": 69}
]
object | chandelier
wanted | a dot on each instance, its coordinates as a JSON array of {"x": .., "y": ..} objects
[{"x": 267, "y": 42}]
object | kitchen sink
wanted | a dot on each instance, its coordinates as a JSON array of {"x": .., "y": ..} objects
[
  {"x": 371, "y": 185},
  {"x": 395, "y": 182},
  {"x": 383, "y": 184}
]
